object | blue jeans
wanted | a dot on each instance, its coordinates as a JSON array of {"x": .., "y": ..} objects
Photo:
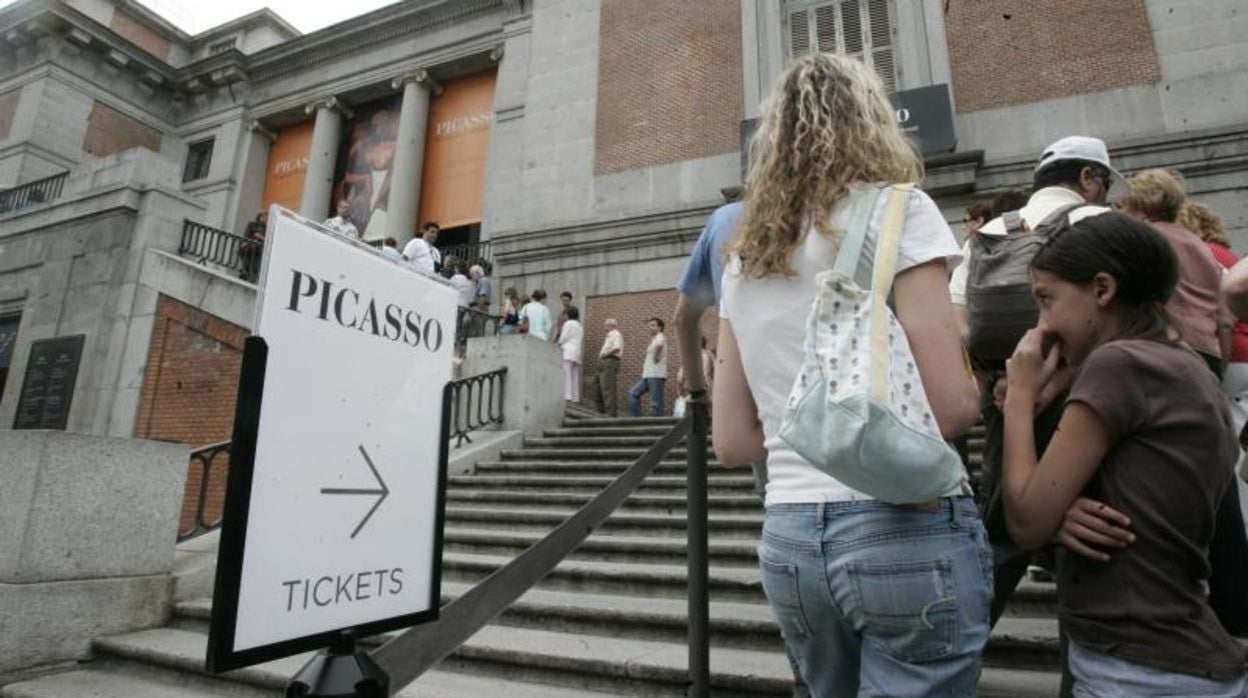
[
  {"x": 654, "y": 386},
  {"x": 880, "y": 600},
  {"x": 1102, "y": 676}
]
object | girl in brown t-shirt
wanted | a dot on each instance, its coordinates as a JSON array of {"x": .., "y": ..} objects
[{"x": 1146, "y": 431}]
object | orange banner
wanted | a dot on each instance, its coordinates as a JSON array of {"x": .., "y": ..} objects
[
  {"x": 288, "y": 166},
  {"x": 457, "y": 146}
]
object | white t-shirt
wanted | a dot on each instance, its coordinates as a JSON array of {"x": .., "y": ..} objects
[
  {"x": 768, "y": 318},
  {"x": 420, "y": 255},
  {"x": 342, "y": 226},
  {"x": 465, "y": 287},
  {"x": 652, "y": 368},
  {"x": 538, "y": 316},
  {"x": 572, "y": 340},
  {"x": 1039, "y": 206},
  {"x": 391, "y": 252}
]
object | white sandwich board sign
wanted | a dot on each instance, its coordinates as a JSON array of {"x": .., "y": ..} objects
[{"x": 335, "y": 498}]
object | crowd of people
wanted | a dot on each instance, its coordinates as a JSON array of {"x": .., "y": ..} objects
[{"x": 1083, "y": 323}]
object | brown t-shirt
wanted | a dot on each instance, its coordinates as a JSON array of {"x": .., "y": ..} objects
[{"x": 1170, "y": 460}]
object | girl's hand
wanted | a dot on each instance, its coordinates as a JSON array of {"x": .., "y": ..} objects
[{"x": 1031, "y": 367}]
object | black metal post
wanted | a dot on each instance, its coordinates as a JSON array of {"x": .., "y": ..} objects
[
  {"x": 699, "y": 601},
  {"x": 342, "y": 671}
]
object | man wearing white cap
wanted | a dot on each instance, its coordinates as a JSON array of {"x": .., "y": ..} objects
[{"x": 1074, "y": 170}]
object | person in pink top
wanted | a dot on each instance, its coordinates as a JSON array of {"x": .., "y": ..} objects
[
  {"x": 1157, "y": 196},
  {"x": 1207, "y": 224}
]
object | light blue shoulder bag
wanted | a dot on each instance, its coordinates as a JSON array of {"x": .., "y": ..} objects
[{"x": 857, "y": 410}]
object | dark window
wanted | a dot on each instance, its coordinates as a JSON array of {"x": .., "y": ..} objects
[
  {"x": 858, "y": 28},
  {"x": 8, "y": 337},
  {"x": 198, "y": 158}
]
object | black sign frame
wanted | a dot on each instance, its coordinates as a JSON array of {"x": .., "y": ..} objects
[
  {"x": 221, "y": 655},
  {"x": 69, "y": 346}
]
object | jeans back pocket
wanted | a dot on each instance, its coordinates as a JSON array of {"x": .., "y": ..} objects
[
  {"x": 781, "y": 587},
  {"x": 909, "y": 610}
]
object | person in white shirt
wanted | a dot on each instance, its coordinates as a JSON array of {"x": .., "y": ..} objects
[
  {"x": 608, "y": 368},
  {"x": 653, "y": 373},
  {"x": 421, "y": 253},
  {"x": 463, "y": 285},
  {"x": 571, "y": 341},
  {"x": 535, "y": 317},
  {"x": 390, "y": 248},
  {"x": 341, "y": 224},
  {"x": 482, "y": 292}
]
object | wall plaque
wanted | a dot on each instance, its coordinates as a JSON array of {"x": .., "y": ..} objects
[{"x": 48, "y": 387}]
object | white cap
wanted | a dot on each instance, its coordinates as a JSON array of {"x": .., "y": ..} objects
[{"x": 1079, "y": 148}]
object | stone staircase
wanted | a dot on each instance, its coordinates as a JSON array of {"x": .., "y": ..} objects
[{"x": 609, "y": 620}]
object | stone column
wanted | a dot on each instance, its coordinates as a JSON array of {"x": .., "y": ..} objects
[
  {"x": 252, "y": 170},
  {"x": 318, "y": 185},
  {"x": 409, "y": 154}
]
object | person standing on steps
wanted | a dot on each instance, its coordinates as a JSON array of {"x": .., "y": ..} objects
[
  {"x": 653, "y": 373},
  {"x": 608, "y": 368}
]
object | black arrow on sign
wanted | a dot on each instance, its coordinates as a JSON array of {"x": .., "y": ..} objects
[{"x": 383, "y": 492}]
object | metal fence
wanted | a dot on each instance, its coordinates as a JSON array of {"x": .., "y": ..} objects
[
  {"x": 470, "y": 322},
  {"x": 476, "y": 402},
  {"x": 470, "y": 253},
  {"x": 213, "y": 461},
  {"x": 412, "y": 653},
  {"x": 32, "y": 193},
  {"x": 207, "y": 244}
]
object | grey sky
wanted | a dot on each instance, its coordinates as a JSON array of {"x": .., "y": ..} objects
[{"x": 194, "y": 16}]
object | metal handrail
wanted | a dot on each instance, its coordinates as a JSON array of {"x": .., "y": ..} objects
[
  {"x": 470, "y": 322},
  {"x": 470, "y": 253},
  {"x": 207, "y": 244},
  {"x": 206, "y": 456},
  {"x": 31, "y": 193},
  {"x": 476, "y": 402},
  {"x": 415, "y": 651}
]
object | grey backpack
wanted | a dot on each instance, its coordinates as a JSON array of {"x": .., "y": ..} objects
[{"x": 999, "y": 305}]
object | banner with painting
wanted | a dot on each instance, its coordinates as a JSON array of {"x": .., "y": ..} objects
[{"x": 363, "y": 173}]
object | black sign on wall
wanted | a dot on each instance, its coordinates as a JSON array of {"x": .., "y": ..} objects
[
  {"x": 926, "y": 116},
  {"x": 48, "y": 387}
]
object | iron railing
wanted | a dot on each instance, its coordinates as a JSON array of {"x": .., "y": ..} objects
[
  {"x": 470, "y": 322},
  {"x": 207, "y": 244},
  {"x": 210, "y": 461},
  {"x": 470, "y": 253},
  {"x": 412, "y": 653},
  {"x": 31, "y": 193},
  {"x": 476, "y": 402}
]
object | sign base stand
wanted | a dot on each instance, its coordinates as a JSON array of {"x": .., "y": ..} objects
[{"x": 342, "y": 671}]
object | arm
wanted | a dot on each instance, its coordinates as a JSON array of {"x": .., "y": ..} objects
[
  {"x": 1038, "y": 495},
  {"x": 926, "y": 314},
  {"x": 1235, "y": 288},
  {"x": 686, "y": 320},
  {"x": 736, "y": 433},
  {"x": 1226, "y": 331}
]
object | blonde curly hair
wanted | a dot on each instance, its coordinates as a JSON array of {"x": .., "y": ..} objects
[
  {"x": 1201, "y": 219},
  {"x": 827, "y": 125}
]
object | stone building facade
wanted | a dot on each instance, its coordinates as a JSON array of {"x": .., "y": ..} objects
[{"x": 586, "y": 140}]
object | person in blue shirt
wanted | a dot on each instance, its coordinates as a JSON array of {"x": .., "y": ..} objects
[{"x": 699, "y": 289}]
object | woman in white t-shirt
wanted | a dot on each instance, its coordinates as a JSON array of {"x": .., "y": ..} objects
[{"x": 872, "y": 598}]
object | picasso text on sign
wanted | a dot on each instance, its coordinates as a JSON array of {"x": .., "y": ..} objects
[{"x": 352, "y": 309}]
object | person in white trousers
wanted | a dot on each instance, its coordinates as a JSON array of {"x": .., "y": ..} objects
[{"x": 572, "y": 340}]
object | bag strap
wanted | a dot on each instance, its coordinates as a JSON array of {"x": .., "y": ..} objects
[
  {"x": 856, "y": 233},
  {"x": 885, "y": 270}
]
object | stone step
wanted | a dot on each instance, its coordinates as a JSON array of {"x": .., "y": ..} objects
[
  {"x": 606, "y": 548},
  {"x": 740, "y": 584},
  {"x": 653, "y": 432},
  {"x": 626, "y": 454},
  {"x": 589, "y": 467},
  {"x": 667, "y": 422},
  {"x": 104, "y": 684},
  {"x": 595, "y": 442},
  {"x": 736, "y": 525},
  {"x": 174, "y": 657},
  {"x": 736, "y": 484},
  {"x": 671, "y": 503}
]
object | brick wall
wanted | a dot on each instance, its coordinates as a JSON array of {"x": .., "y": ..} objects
[
  {"x": 1006, "y": 52},
  {"x": 633, "y": 311},
  {"x": 140, "y": 35},
  {"x": 8, "y": 107},
  {"x": 109, "y": 131},
  {"x": 189, "y": 391},
  {"x": 669, "y": 82}
]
